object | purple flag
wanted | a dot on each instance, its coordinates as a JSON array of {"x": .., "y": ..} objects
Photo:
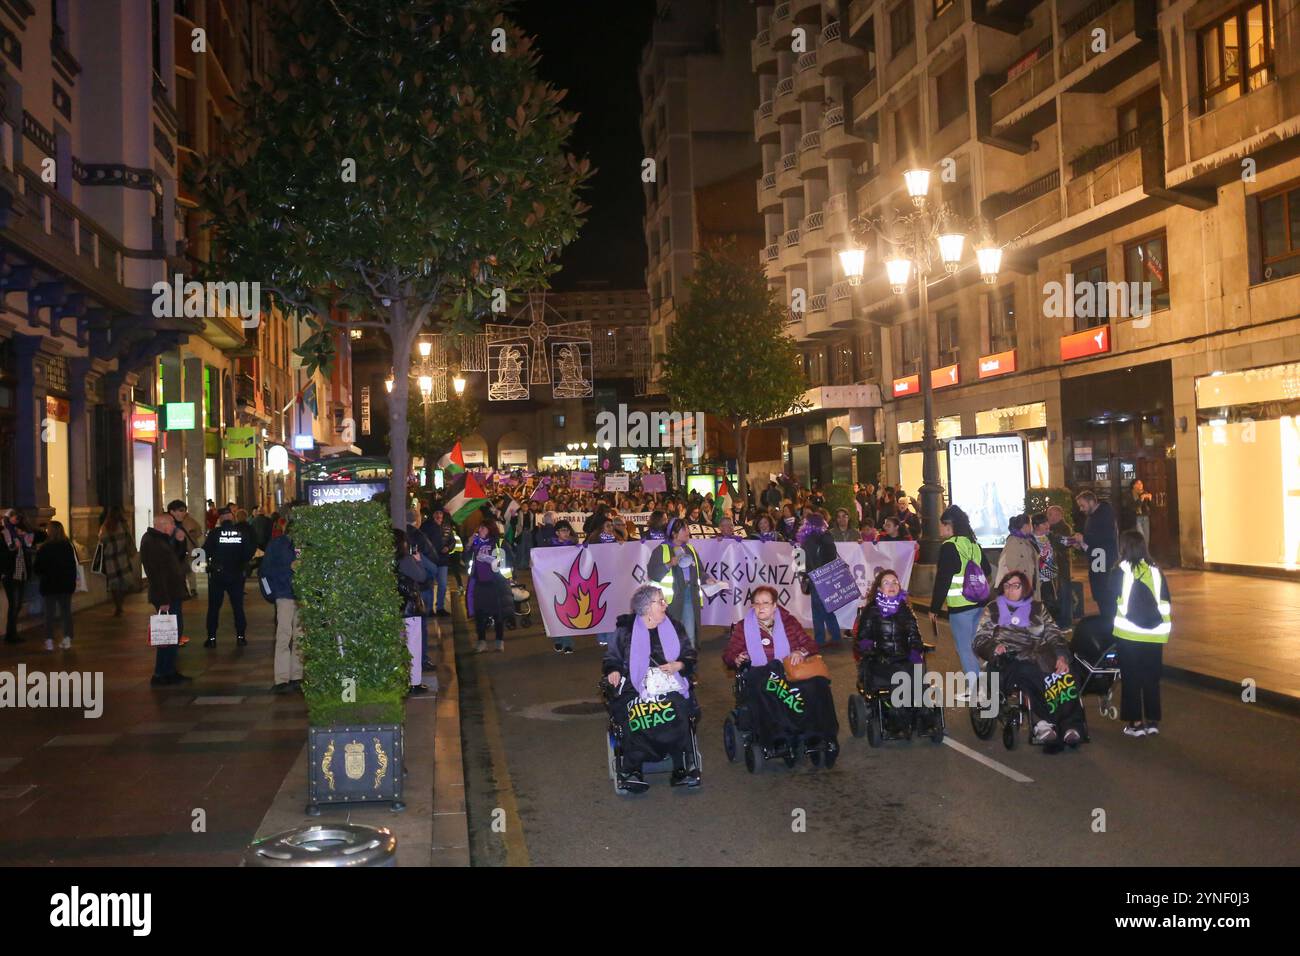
[
  {"x": 543, "y": 492},
  {"x": 583, "y": 480},
  {"x": 653, "y": 483}
]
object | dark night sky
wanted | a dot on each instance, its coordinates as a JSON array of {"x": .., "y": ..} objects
[{"x": 592, "y": 48}]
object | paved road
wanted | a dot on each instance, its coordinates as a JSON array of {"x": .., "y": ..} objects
[{"x": 1220, "y": 786}]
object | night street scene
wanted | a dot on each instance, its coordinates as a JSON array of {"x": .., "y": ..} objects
[{"x": 672, "y": 434}]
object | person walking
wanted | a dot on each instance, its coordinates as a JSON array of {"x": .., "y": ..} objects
[
  {"x": 56, "y": 567},
  {"x": 229, "y": 548},
  {"x": 676, "y": 568},
  {"x": 167, "y": 592},
  {"x": 277, "y": 568},
  {"x": 117, "y": 557},
  {"x": 1099, "y": 540},
  {"x": 16, "y": 540},
  {"x": 961, "y": 587},
  {"x": 819, "y": 550},
  {"x": 1142, "y": 624},
  {"x": 1138, "y": 508}
]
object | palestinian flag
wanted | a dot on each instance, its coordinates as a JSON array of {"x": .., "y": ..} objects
[
  {"x": 452, "y": 463},
  {"x": 721, "y": 502},
  {"x": 465, "y": 494}
]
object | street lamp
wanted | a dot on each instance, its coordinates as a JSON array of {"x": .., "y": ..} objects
[
  {"x": 388, "y": 383},
  {"x": 916, "y": 236},
  {"x": 458, "y": 383},
  {"x": 426, "y": 387},
  {"x": 425, "y": 347}
]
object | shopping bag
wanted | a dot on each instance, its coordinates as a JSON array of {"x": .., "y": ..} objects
[
  {"x": 82, "y": 586},
  {"x": 415, "y": 645},
  {"x": 163, "y": 630}
]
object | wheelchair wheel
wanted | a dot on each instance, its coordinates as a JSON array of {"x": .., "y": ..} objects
[
  {"x": 1009, "y": 736},
  {"x": 815, "y": 757},
  {"x": 874, "y": 733},
  {"x": 857, "y": 715},
  {"x": 729, "y": 738},
  {"x": 753, "y": 758},
  {"x": 983, "y": 726},
  {"x": 831, "y": 754},
  {"x": 612, "y": 756},
  {"x": 791, "y": 757}
]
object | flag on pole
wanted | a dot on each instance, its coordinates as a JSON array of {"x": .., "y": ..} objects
[
  {"x": 466, "y": 495},
  {"x": 543, "y": 491},
  {"x": 453, "y": 463},
  {"x": 721, "y": 502}
]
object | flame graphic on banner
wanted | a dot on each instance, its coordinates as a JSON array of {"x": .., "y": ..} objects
[{"x": 582, "y": 607}]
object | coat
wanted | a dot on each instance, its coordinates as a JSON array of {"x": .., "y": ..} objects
[
  {"x": 1019, "y": 554},
  {"x": 1040, "y": 641},
  {"x": 616, "y": 655},
  {"x": 892, "y": 637},
  {"x": 794, "y": 633},
  {"x": 277, "y": 567},
  {"x": 118, "y": 559},
  {"x": 164, "y": 570},
  {"x": 56, "y": 566}
]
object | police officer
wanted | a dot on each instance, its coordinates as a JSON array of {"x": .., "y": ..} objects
[{"x": 229, "y": 547}]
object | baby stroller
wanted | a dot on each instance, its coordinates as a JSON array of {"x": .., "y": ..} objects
[
  {"x": 1096, "y": 660},
  {"x": 614, "y": 740},
  {"x": 739, "y": 736},
  {"x": 872, "y": 713}
]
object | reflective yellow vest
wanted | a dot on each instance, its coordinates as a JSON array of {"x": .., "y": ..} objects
[
  {"x": 1150, "y": 577},
  {"x": 967, "y": 550},
  {"x": 666, "y": 582}
]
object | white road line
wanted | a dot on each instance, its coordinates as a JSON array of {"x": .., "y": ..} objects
[{"x": 1001, "y": 768}]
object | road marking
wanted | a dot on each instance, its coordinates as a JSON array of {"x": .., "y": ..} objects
[
  {"x": 516, "y": 848},
  {"x": 975, "y": 755}
]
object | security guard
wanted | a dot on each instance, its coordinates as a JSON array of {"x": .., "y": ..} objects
[
  {"x": 675, "y": 566},
  {"x": 1142, "y": 625},
  {"x": 229, "y": 547}
]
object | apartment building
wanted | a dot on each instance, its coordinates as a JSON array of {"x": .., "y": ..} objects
[
  {"x": 1120, "y": 151},
  {"x": 696, "y": 94}
]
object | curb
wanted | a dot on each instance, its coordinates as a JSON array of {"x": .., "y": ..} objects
[
  {"x": 450, "y": 822},
  {"x": 1222, "y": 685}
]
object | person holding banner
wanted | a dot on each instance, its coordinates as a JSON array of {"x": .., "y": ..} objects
[
  {"x": 819, "y": 549},
  {"x": 647, "y": 670},
  {"x": 774, "y": 645},
  {"x": 675, "y": 566}
]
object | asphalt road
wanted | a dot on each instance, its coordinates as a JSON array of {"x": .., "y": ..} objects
[{"x": 1220, "y": 786}]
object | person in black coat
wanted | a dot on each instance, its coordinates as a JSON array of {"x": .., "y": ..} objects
[
  {"x": 438, "y": 532},
  {"x": 229, "y": 547},
  {"x": 819, "y": 550},
  {"x": 1099, "y": 541},
  {"x": 167, "y": 591},
  {"x": 56, "y": 566}
]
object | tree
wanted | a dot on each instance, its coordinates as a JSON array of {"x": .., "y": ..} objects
[
  {"x": 447, "y": 422},
  {"x": 728, "y": 353},
  {"x": 401, "y": 169}
]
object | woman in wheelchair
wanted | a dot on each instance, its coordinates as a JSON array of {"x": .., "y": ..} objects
[
  {"x": 647, "y": 672},
  {"x": 788, "y": 708},
  {"x": 1018, "y": 637}
]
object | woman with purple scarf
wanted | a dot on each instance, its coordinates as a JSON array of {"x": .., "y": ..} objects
[
  {"x": 483, "y": 594},
  {"x": 888, "y": 638},
  {"x": 1019, "y": 634},
  {"x": 647, "y": 668},
  {"x": 785, "y": 712}
]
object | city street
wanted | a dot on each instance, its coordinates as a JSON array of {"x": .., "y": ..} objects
[{"x": 1218, "y": 787}]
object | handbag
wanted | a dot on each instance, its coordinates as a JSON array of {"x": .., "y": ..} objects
[{"x": 812, "y": 666}]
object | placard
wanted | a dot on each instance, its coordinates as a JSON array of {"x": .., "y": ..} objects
[
  {"x": 582, "y": 480},
  {"x": 987, "y": 478},
  {"x": 616, "y": 482},
  {"x": 835, "y": 584},
  {"x": 654, "y": 483}
]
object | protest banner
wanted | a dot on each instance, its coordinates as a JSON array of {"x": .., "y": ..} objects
[{"x": 616, "y": 482}]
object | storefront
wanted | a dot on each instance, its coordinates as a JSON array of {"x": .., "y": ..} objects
[
  {"x": 1028, "y": 420},
  {"x": 1248, "y": 444},
  {"x": 911, "y": 456},
  {"x": 144, "y": 436}
]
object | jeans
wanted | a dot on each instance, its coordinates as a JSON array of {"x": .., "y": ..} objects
[
  {"x": 217, "y": 589},
  {"x": 963, "y": 624},
  {"x": 442, "y": 587},
  {"x": 690, "y": 619},
  {"x": 14, "y": 591},
  {"x": 823, "y": 620},
  {"x": 164, "y": 662},
  {"x": 57, "y": 605},
  {"x": 566, "y": 640}
]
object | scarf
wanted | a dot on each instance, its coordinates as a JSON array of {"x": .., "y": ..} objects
[
  {"x": 889, "y": 605},
  {"x": 1024, "y": 536},
  {"x": 767, "y": 536},
  {"x": 758, "y": 654},
  {"x": 1013, "y": 613},
  {"x": 639, "y": 653},
  {"x": 812, "y": 526}
]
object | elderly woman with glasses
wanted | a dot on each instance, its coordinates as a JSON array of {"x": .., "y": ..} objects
[{"x": 648, "y": 668}]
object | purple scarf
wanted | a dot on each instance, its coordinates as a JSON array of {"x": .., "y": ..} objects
[
  {"x": 889, "y": 605},
  {"x": 811, "y": 526},
  {"x": 767, "y": 536},
  {"x": 1025, "y": 536},
  {"x": 639, "y": 653},
  {"x": 758, "y": 655},
  {"x": 1013, "y": 613}
]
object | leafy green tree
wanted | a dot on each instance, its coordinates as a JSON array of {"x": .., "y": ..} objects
[
  {"x": 435, "y": 427},
  {"x": 401, "y": 164},
  {"x": 728, "y": 353}
]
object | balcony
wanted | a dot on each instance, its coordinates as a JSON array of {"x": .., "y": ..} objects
[
  {"x": 1009, "y": 16},
  {"x": 836, "y": 218},
  {"x": 812, "y": 236},
  {"x": 768, "y": 200},
  {"x": 841, "y": 306},
  {"x": 788, "y": 182},
  {"x": 781, "y": 27},
  {"x": 765, "y": 128},
  {"x": 806, "y": 11},
  {"x": 1131, "y": 44},
  {"x": 791, "y": 254},
  {"x": 1011, "y": 107},
  {"x": 794, "y": 324},
  {"x": 1033, "y": 206},
  {"x": 808, "y": 86},
  {"x": 762, "y": 57},
  {"x": 812, "y": 164},
  {"x": 1030, "y": 76},
  {"x": 772, "y": 262},
  {"x": 838, "y": 57},
  {"x": 859, "y": 16},
  {"x": 1097, "y": 180},
  {"x": 784, "y": 105},
  {"x": 817, "y": 323},
  {"x": 837, "y": 141},
  {"x": 866, "y": 97}
]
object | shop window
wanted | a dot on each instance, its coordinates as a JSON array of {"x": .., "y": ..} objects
[
  {"x": 842, "y": 370},
  {"x": 1235, "y": 55},
  {"x": 865, "y": 357},
  {"x": 950, "y": 91},
  {"x": 1091, "y": 270},
  {"x": 945, "y": 427},
  {"x": 1011, "y": 418},
  {"x": 902, "y": 27},
  {"x": 1145, "y": 261},
  {"x": 1279, "y": 233},
  {"x": 909, "y": 352},
  {"x": 1002, "y": 320},
  {"x": 816, "y": 367},
  {"x": 946, "y": 321}
]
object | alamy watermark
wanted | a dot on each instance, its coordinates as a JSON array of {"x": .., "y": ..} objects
[
  {"x": 923, "y": 688},
  {"x": 179, "y": 299},
  {"x": 78, "y": 690},
  {"x": 1097, "y": 300},
  {"x": 77, "y": 909},
  {"x": 651, "y": 429}
]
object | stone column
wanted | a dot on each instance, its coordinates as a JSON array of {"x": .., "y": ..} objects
[
  {"x": 83, "y": 496},
  {"x": 195, "y": 471},
  {"x": 174, "y": 455},
  {"x": 31, "y": 484}
]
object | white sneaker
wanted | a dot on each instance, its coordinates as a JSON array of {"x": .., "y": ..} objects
[
  {"x": 482, "y": 646},
  {"x": 501, "y": 646},
  {"x": 49, "y": 643},
  {"x": 1044, "y": 733},
  {"x": 1152, "y": 730},
  {"x": 66, "y": 643},
  {"x": 1131, "y": 730}
]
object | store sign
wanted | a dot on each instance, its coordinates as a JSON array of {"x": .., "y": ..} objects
[
  {"x": 277, "y": 459},
  {"x": 303, "y": 442},
  {"x": 329, "y": 492},
  {"x": 911, "y": 385},
  {"x": 1000, "y": 363},
  {"x": 365, "y": 409},
  {"x": 473, "y": 456},
  {"x": 144, "y": 426},
  {"x": 240, "y": 442},
  {"x": 179, "y": 416},
  {"x": 944, "y": 377},
  {"x": 986, "y": 477},
  {"x": 1088, "y": 342},
  {"x": 513, "y": 456}
]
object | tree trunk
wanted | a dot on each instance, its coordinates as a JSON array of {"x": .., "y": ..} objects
[
  {"x": 742, "y": 461},
  {"x": 400, "y": 336}
]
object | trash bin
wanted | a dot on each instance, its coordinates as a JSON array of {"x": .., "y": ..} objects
[{"x": 325, "y": 844}]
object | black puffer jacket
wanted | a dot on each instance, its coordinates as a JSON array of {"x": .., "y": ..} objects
[{"x": 893, "y": 637}]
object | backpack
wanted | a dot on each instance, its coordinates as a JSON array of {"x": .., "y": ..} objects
[
  {"x": 974, "y": 584},
  {"x": 1143, "y": 610}
]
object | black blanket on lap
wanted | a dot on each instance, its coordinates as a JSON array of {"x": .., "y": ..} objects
[
  {"x": 653, "y": 730},
  {"x": 781, "y": 708}
]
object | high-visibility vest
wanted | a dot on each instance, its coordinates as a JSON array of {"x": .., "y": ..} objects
[
  {"x": 967, "y": 550},
  {"x": 666, "y": 582},
  {"x": 1149, "y": 577}
]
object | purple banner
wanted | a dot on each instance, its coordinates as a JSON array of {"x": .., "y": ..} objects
[
  {"x": 835, "y": 584},
  {"x": 654, "y": 483},
  {"x": 583, "y": 480}
]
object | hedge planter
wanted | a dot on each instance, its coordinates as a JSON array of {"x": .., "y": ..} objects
[{"x": 354, "y": 765}]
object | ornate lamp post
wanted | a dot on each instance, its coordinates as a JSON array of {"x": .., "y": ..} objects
[{"x": 928, "y": 236}]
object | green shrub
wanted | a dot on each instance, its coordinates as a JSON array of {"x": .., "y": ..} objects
[
  {"x": 840, "y": 496},
  {"x": 350, "y": 613},
  {"x": 1038, "y": 499}
]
